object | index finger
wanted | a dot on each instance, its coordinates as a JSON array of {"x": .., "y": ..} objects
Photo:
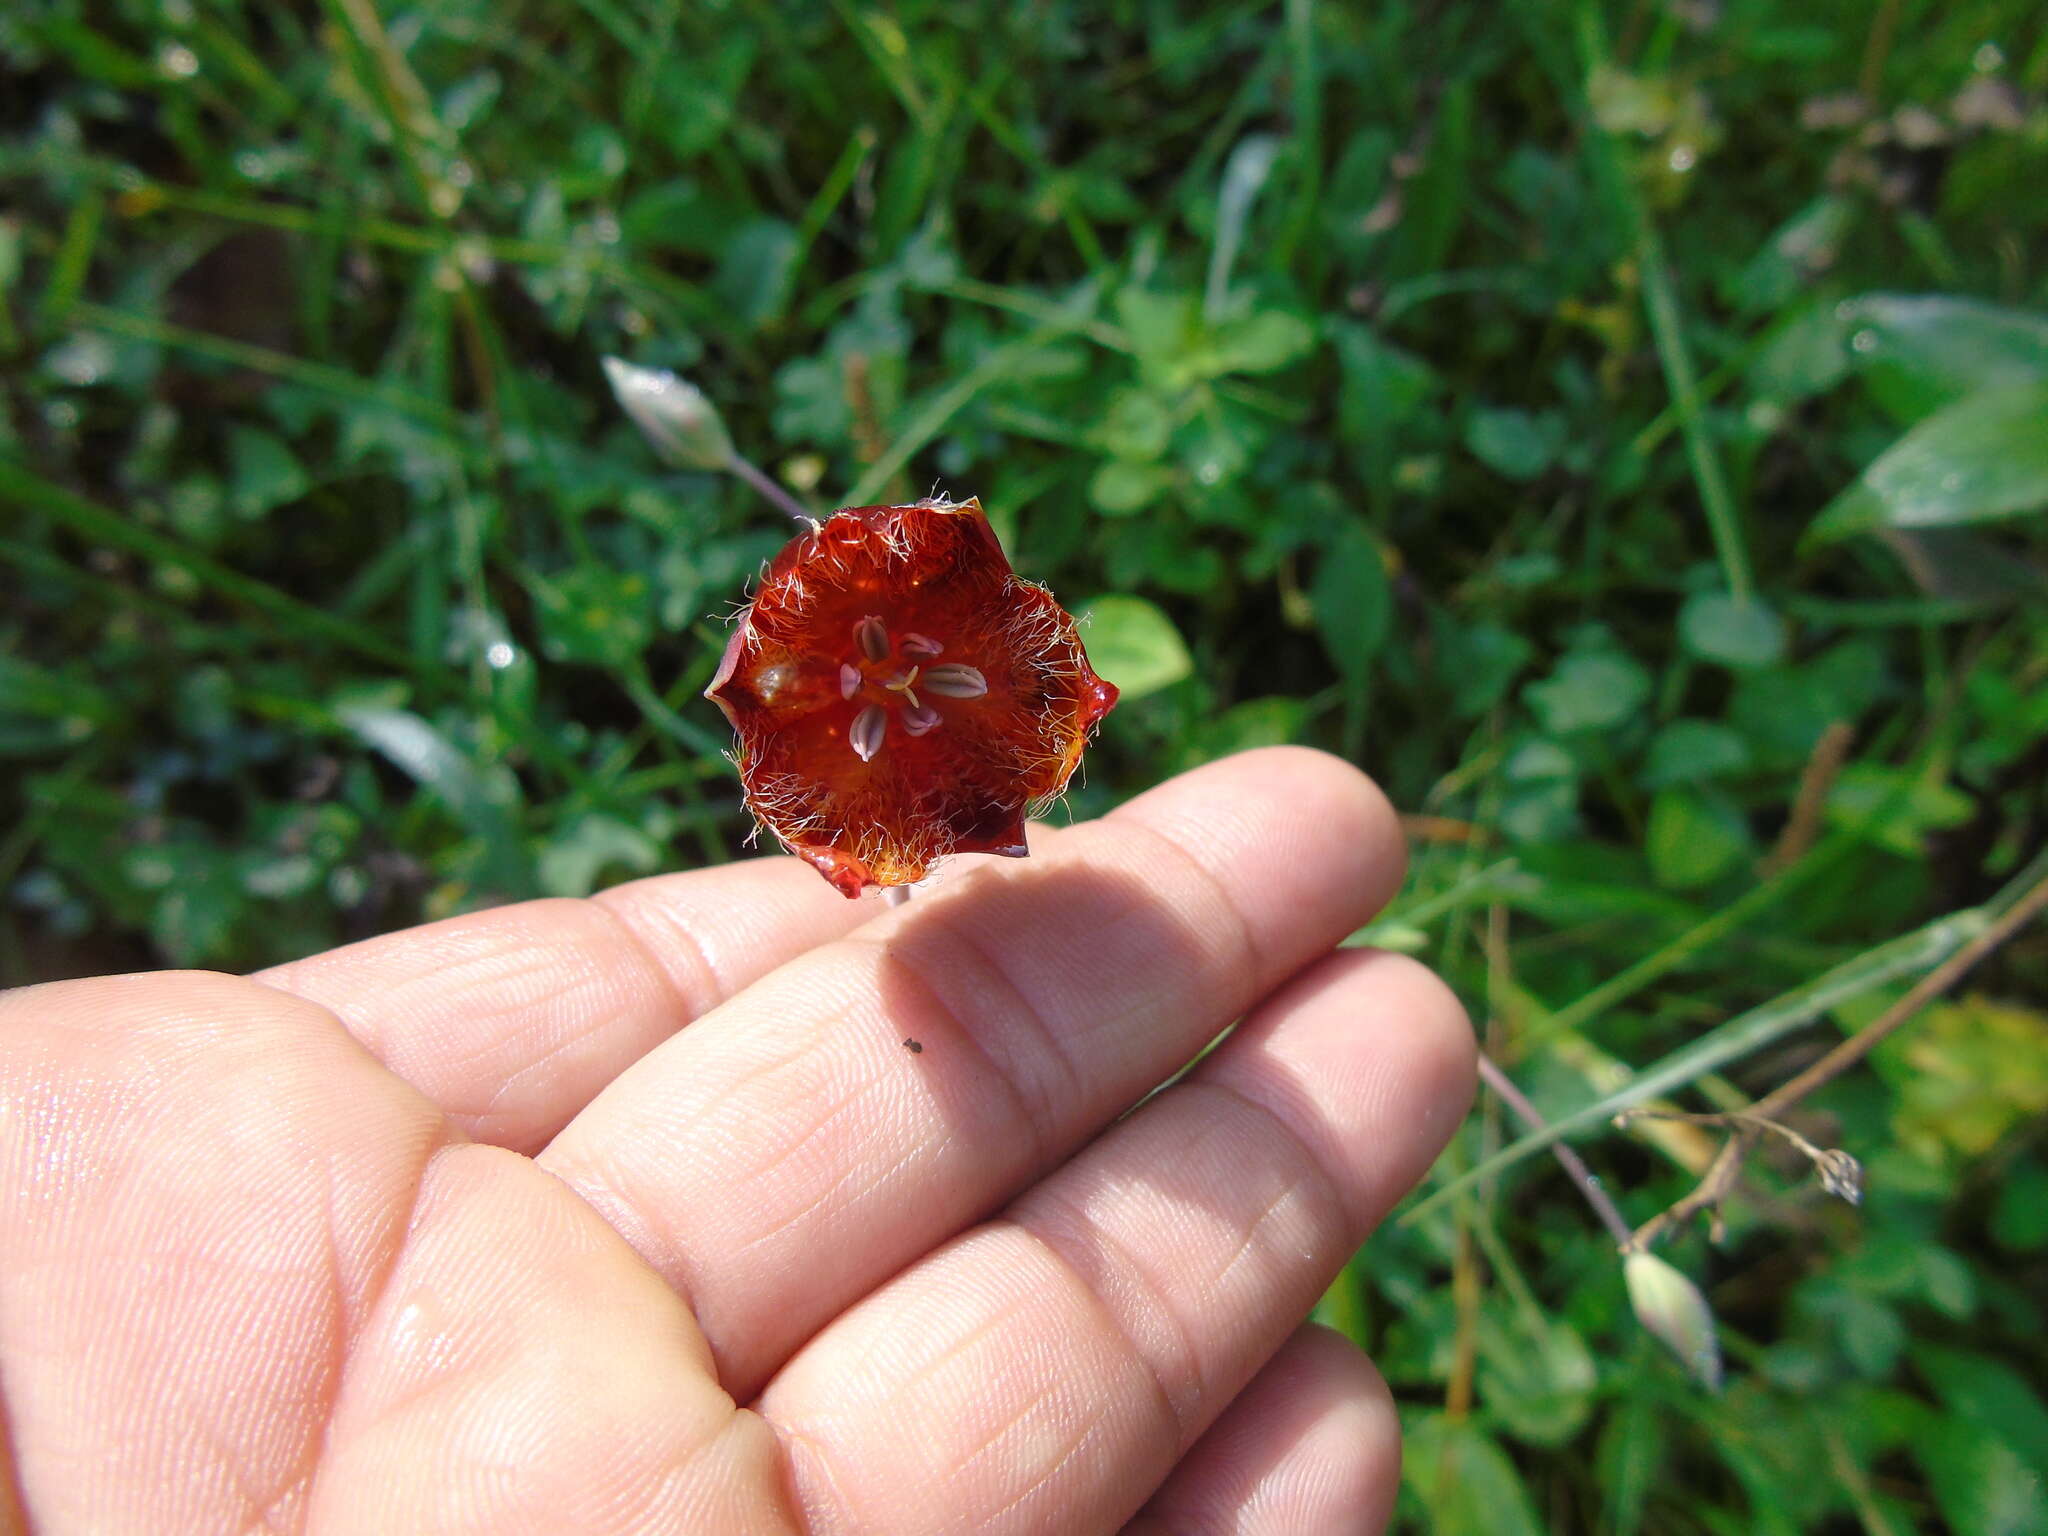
[{"x": 511, "y": 1020}]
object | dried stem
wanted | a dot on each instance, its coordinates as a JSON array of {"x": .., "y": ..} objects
[
  {"x": 1823, "y": 767},
  {"x": 1589, "y": 1185},
  {"x": 1744, "y": 1126}
]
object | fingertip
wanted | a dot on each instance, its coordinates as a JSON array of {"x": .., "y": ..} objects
[
  {"x": 1279, "y": 824},
  {"x": 1312, "y": 1444},
  {"x": 1370, "y": 1059}
]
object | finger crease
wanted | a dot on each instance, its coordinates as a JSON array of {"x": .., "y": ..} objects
[
  {"x": 711, "y": 984},
  {"x": 1251, "y": 968}
]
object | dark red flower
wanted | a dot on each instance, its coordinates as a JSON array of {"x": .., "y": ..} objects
[{"x": 901, "y": 694}]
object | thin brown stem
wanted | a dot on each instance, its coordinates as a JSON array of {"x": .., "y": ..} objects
[
  {"x": 1574, "y": 1165},
  {"x": 1823, "y": 767},
  {"x": 1745, "y": 1126},
  {"x": 1929, "y": 987},
  {"x": 1877, "y": 47}
]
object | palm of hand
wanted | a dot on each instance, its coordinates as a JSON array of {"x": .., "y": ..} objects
[{"x": 458, "y": 1230}]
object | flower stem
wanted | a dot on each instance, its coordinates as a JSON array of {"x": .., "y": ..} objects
[
  {"x": 1589, "y": 1186},
  {"x": 769, "y": 488}
]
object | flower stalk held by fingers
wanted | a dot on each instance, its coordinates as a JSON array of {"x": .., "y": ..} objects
[{"x": 900, "y": 694}]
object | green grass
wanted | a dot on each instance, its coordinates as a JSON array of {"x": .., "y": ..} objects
[{"x": 1459, "y": 388}]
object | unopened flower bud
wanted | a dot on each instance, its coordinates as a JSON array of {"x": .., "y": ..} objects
[
  {"x": 1671, "y": 1307},
  {"x": 675, "y": 415}
]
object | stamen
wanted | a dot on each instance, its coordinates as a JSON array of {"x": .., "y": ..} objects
[
  {"x": 865, "y": 735},
  {"x": 920, "y": 718},
  {"x": 954, "y": 680},
  {"x": 849, "y": 680},
  {"x": 872, "y": 637},
  {"x": 915, "y": 644}
]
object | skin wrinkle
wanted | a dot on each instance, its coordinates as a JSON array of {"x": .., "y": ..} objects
[
  {"x": 1037, "y": 1093},
  {"x": 1250, "y": 962},
  {"x": 1313, "y": 1155},
  {"x": 376, "y": 1294},
  {"x": 1091, "y": 1430},
  {"x": 1113, "y": 1325},
  {"x": 804, "y": 1464},
  {"x": 599, "y": 1184},
  {"x": 688, "y": 1003},
  {"x": 1130, "y": 1270},
  {"x": 1250, "y": 1241},
  {"x": 846, "y": 1185},
  {"x": 506, "y": 1086},
  {"x": 351, "y": 1332},
  {"x": 1038, "y": 1136}
]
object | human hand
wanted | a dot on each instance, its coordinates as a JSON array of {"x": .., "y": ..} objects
[{"x": 461, "y": 1229}]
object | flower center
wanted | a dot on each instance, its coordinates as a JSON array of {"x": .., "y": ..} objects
[{"x": 889, "y": 674}]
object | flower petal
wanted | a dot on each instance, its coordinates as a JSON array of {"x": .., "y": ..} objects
[{"x": 801, "y": 682}]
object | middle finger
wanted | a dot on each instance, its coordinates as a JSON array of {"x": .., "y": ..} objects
[{"x": 790, "y": 1150}]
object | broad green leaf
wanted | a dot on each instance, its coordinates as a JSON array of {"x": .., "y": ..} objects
[
  {"x": 263, "y": 473},
  {"x": 1513, "y": 443},
  {"x": 1536, "y": 1377},
  {"x": 425, "y": 755},
  {"x": 1990, "y": 1393},
  {"x": 1353, "y": 602},
  {"x": 1383, "y": 394},
  {"x": 1264, "y": 342},
  {"x": 1121, "y": 487},
  {"x": 2019, "y": 1216},
  {"x": 1912, "y": 805},
  {"x": 1132, "y": 643},
  {"x": 1919, "y": 352},
  {"x": 1164, "y": 328},
  {"x": 1268, "y": 722},
  {"x": 1805, "y": 244},
  {"x": 195, "y": 917},
  {"x": 1137, "y": 425},
  {"x": 1806, "y": 352},
  {"x": 1970, "y": 1072},
  {"x": 1478, "y": 661},
  {"x": 1592, "y": 690},
  {"x": 1984, "y": 457},
  {"x": 1981, "y": 1485},
  {"x": 754, "y": 277},
  {"x": 1692, "y": 752},
  {"x": 1694, "y": 837},
  {"x": 572, "y": 861},
  {"x": 1464, "y": 1480},
  {"x": 1739, "y": 633}
]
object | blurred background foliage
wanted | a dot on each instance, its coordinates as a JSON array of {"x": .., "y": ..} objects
[{"x": 1619, "y": 426}]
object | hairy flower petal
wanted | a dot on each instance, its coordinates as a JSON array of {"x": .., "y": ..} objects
[{"x": 856, "y": 750}]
